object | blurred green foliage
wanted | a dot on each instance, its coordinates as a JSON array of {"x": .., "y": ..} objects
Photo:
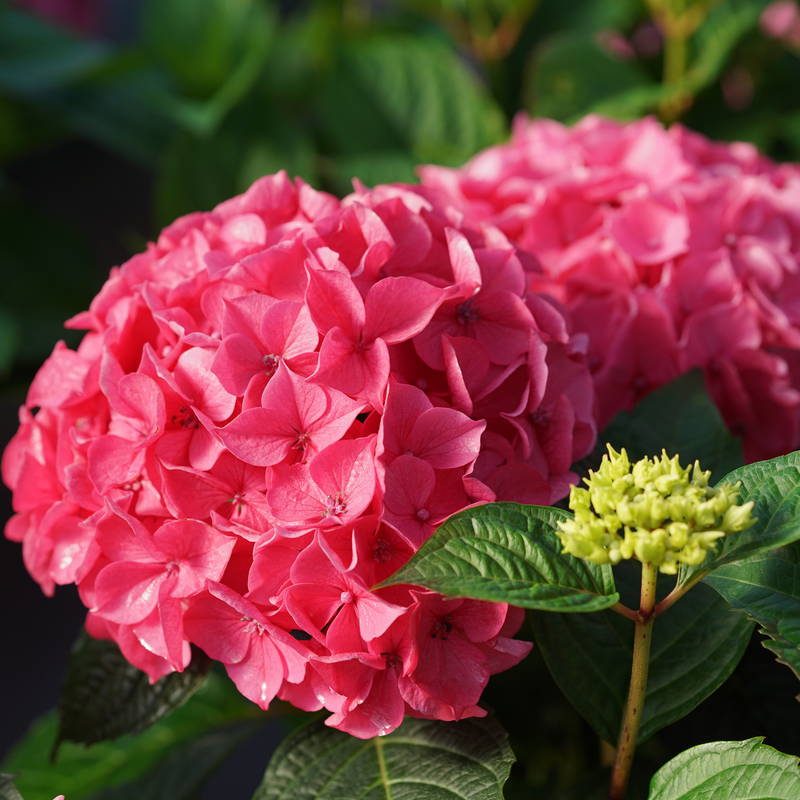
[{"x": 209, "y": 96}]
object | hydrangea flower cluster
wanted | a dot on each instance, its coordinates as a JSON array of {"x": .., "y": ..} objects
[
  {"x": 273, "y": 408},
  {"x": 652, "y": 510},
  {"x": 669, "y": 250}
]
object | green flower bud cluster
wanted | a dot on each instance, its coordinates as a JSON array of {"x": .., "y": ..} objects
[{"x": 655, "y": 510}]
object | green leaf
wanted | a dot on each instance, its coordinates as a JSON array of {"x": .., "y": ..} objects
[
  {"x": 186, "y": 770},
  {"x": 508, "y": 553},
  {"x": 427, "y": 759},
  {"x": 197, "y": 173},
  {"x": 387, "y": 166},
  {"x": 774, "y": 487},
  {"x": 745, "y": 770},
  {"x": 569, "y": 74},
  {"x": 105, "y": 697},
  {"x": 79, "y": 771},
  {"x": 696, "y": 645},
  {"x": 680, "y": 418},
  {"x": 203, "y": 44},
  {"x": 7, "y": 789},
  {"x": 724, "y": 27},
  {"x": 37, "y": 57},
  {"x": 410, "y": 94},
  {"x": 766, "y": 588}
]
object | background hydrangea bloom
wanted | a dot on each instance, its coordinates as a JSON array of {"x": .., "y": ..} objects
[
  {"x": 273, "y": 407},
  {"x": 670, "y": 251}
]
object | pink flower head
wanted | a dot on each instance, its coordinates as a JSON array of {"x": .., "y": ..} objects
[
  {"x": 275, "y": 405},
  {"x": 649, "y": 237}
]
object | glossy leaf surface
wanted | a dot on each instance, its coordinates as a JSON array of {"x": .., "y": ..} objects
[
  {"x": 466, "y": 760},
  {"x": 745, "y": 770},
  {"x": 696, "y": 645},
  {"x": 508, "y": 553}
]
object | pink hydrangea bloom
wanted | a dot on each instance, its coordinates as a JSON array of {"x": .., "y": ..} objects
[
  {"x": 274, "y": 406},
  {"x": 669, "y": 252}
]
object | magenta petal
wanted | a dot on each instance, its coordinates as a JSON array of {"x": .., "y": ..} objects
[
  {"x": 334, "y": 302},
  {"x": 445, "y": 438},
  {"x": 399, "y": 308},
  {"x": 236, "y": 362},
  {"x": 351, "y": 368},
  {"x": 287, "y": 329},
  {"x": 128, "y": 591}
]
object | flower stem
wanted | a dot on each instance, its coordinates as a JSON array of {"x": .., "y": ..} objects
[{"x": 633, "y": 709}]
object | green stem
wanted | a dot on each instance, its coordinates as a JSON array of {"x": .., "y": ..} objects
[{"x": 634, "y": 707}]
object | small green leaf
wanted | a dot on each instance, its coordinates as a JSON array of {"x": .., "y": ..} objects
[
  {"x": 569, "y": 74},
  {"x": 187, "y": 769},
  {"x": 696, "y": 645},
  {"x": 79, "y": 771},
  {"x": 505, "y": 552},
  {"x": 745, "y": 770},
  {"x": 105, "y": 697},
  {"x": 466, "y": 760},
  {"x": 7, "y": 789},
  {"x": 680, "y": 418},
  {"x": 767, "y": 588}
]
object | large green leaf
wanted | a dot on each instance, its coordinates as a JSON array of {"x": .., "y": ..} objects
[
  {"x": 681, "y": 419},
  {"x": 767, "y": 588},
  {"x": 774, "y": 487},
  {"x": 508, "y": 553},
  {"x": 105, "y": 697},
  {"x": 696, "y": 645},
  {"x": 187, "y": 769},
  {"x": 80, "y": 771},
  {"x": 410, "y": 94},
  {"x": 569, "y": 74},
  {"x": 745, "y": 770},
  {"x": 467, "y": 760}
]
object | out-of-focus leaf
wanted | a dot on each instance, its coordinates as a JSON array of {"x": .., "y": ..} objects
[
  {"x": 746, "y": 770},
  {"x": 569, "y": 74},
  {"x": 767, "y": 588},
  {"x": 466, "y": 760},
  {"x": 726, "y": 24},
  {"x": 585, "y": 15},
  {"x": 697, "y": 643},
  {"x": 412, "y": 94},
  {"x": 508, "y": 553},
  {"x": 105, "y": 697},
  {"x": 198, "y": 173},
  {"x": 36, "y": 57},
  {"x": 681, "y": 419},
  {"x": 79, "y": 771},
  {"x": 389, "y": 166},
  {"x": 187, "y": 769},
  {"x": 204, "y": 44}
]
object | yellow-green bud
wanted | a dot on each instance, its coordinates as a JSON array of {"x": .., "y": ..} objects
[{"x": 654, "y": 510}]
